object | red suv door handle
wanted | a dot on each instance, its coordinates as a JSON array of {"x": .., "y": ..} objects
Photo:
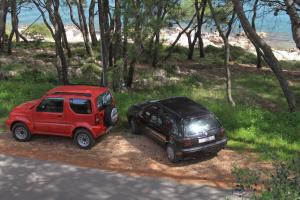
[{"x": 59, "y": 115}]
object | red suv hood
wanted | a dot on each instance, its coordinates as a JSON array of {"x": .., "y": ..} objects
[{"x": 25, "y": 106}]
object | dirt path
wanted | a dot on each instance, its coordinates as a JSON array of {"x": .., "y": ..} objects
[{"x": 122, "y": 152}]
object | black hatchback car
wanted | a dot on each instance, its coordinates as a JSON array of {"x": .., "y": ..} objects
[{"x": 182, "y": 126}]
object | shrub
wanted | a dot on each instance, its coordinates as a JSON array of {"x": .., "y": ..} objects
[
  {"x": 37, "y": 29},
  {"x": 246, "y": 178},
  {"x": 284, "y": 182}
]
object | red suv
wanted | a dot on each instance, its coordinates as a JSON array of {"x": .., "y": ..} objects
[{"x": 78, "y": 111}]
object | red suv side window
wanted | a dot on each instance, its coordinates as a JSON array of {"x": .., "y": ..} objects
[
  {"x": 55, "y": 105},
  {"x": 81, "y": 106}
]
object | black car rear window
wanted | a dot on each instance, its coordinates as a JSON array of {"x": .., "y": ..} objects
[
  {"x": 194, "y": 127},
  {"x": 81, "y": 106}
]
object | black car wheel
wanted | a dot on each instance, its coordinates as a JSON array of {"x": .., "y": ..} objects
[
  {"x": 21, "y": 133},
  {"x": 171, "y": 153},
  {"x": 84, "y": 139},
  {"x": 134, "y": 127}
]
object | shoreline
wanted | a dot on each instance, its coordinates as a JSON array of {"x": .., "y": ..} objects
[{"x": 168, "y": 36}]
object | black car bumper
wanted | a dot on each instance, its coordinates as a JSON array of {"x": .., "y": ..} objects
[{"x": 208, "y": 148}]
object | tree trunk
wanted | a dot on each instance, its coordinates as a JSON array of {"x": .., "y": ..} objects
[
  {"x": 104, "y": 45},
  {"x": 125, "y": 43},
  {"x": 200, "y": 17},
  {"x": 267, "y": 54},
  {"x": 84, "y": 29},
  {"x": 118, "y": 34},
  {"x": 14, "y": 24},
  {"x": 159, "y": 19},
  {"x": 82, "y": 26},
  {"x": 92, "y": 23},
  {"x": 156, "y": 48},
  {"x": 227, "y": 51},
  {"x": 170, "y": 48},
  {"x": 3, "y": 14},
  {"x": 65, "y": 40},
  {"x": 258, "y": 53},
  {"x": 191, "y": 44},
  {"x": 137, "y": 44},
  {"x": 52, "y": 8},
  {"x": 106, "y": 9},
  {"x": 295, "y": 20}
]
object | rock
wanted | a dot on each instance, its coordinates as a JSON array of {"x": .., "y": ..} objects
[
  {"x": 78, "y": 72},
  {"x": 174, "y": 79},
  {"x": 158, "y": 83},
  {"x": 200, "y": 84},
  {"x": 39, "y": 63},
  {"x": 290, "y": 83},
  {"x": 49, "y": 65},
  {"x": 5, "y": 61},
  {"x": 177, "y": 69},
  {"x": 192, "y": 71},
  {"x": 216, "y": 40},
  {"x": 13, "y": 73},
  {"x": 159, "y": 74}
]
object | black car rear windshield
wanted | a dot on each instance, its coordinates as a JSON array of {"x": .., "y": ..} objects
[{"x": 194, "y": 127}]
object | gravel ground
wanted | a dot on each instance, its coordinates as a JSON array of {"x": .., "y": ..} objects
[{"x": 135, "y": 155}]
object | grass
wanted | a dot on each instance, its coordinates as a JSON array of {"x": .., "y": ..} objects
[
  {"x": 39, "y": 29},
  {"x": 260, "y": 121}
]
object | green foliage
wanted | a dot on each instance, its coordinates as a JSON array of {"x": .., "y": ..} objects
[
  {"x": 13, "y": 93},
  {"x": 170, "y": 69},
  {"x": 117, "y": 75},
  {"x": 194, "y": 78},
  {"x": 245, "y": 177},
  {"x": 283, "y": 182},
  {"x": 237, "y": 54},
  {"x": 289, "y": 64},
  {"x": 39, "y": 29}
]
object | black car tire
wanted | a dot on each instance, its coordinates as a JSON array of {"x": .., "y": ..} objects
[
  {"x": 83, "y": 139},
  {"x": 110, "y": 116},
  {"x": 20, "y": 132},
  {"x": 171, "y": 153},
  {"x": 134, "y": 127}
]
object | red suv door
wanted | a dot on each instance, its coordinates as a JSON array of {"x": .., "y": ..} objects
[
  {"x": 49, "y": 117},
  {"x": 80, "y": 110}
]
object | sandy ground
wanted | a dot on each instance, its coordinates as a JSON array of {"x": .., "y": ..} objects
[{"x": 135, "y": 155}]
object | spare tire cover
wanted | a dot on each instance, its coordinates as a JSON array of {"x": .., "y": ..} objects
[{"x": 110, "y": 116}]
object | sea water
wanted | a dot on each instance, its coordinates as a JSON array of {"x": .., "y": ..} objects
[{"x": 278, "y": 27}]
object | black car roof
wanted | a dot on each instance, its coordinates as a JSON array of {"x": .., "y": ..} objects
[{"x": 184, "y": 107}]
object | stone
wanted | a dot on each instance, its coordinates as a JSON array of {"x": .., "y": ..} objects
[
  {"x": 200, "y": 84},
  {"x": 192, "y": 71},
  {"x": 174, "y": 79},
  {"x": 78, "y": 72},
  {"x": 290, "y": 83},
  {"x": 5, "y": 61},
  {"x": 39, "y": 63},
  {"x": 159, "y": 74},
  {"x": 177, "y": 69}
]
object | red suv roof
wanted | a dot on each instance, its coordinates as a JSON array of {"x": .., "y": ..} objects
[{"x": 82, "y": 90}]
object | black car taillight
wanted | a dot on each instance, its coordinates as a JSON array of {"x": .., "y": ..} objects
[
  {"x": 97, "y": 119},
  {"x": 186, "y": 142}
]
